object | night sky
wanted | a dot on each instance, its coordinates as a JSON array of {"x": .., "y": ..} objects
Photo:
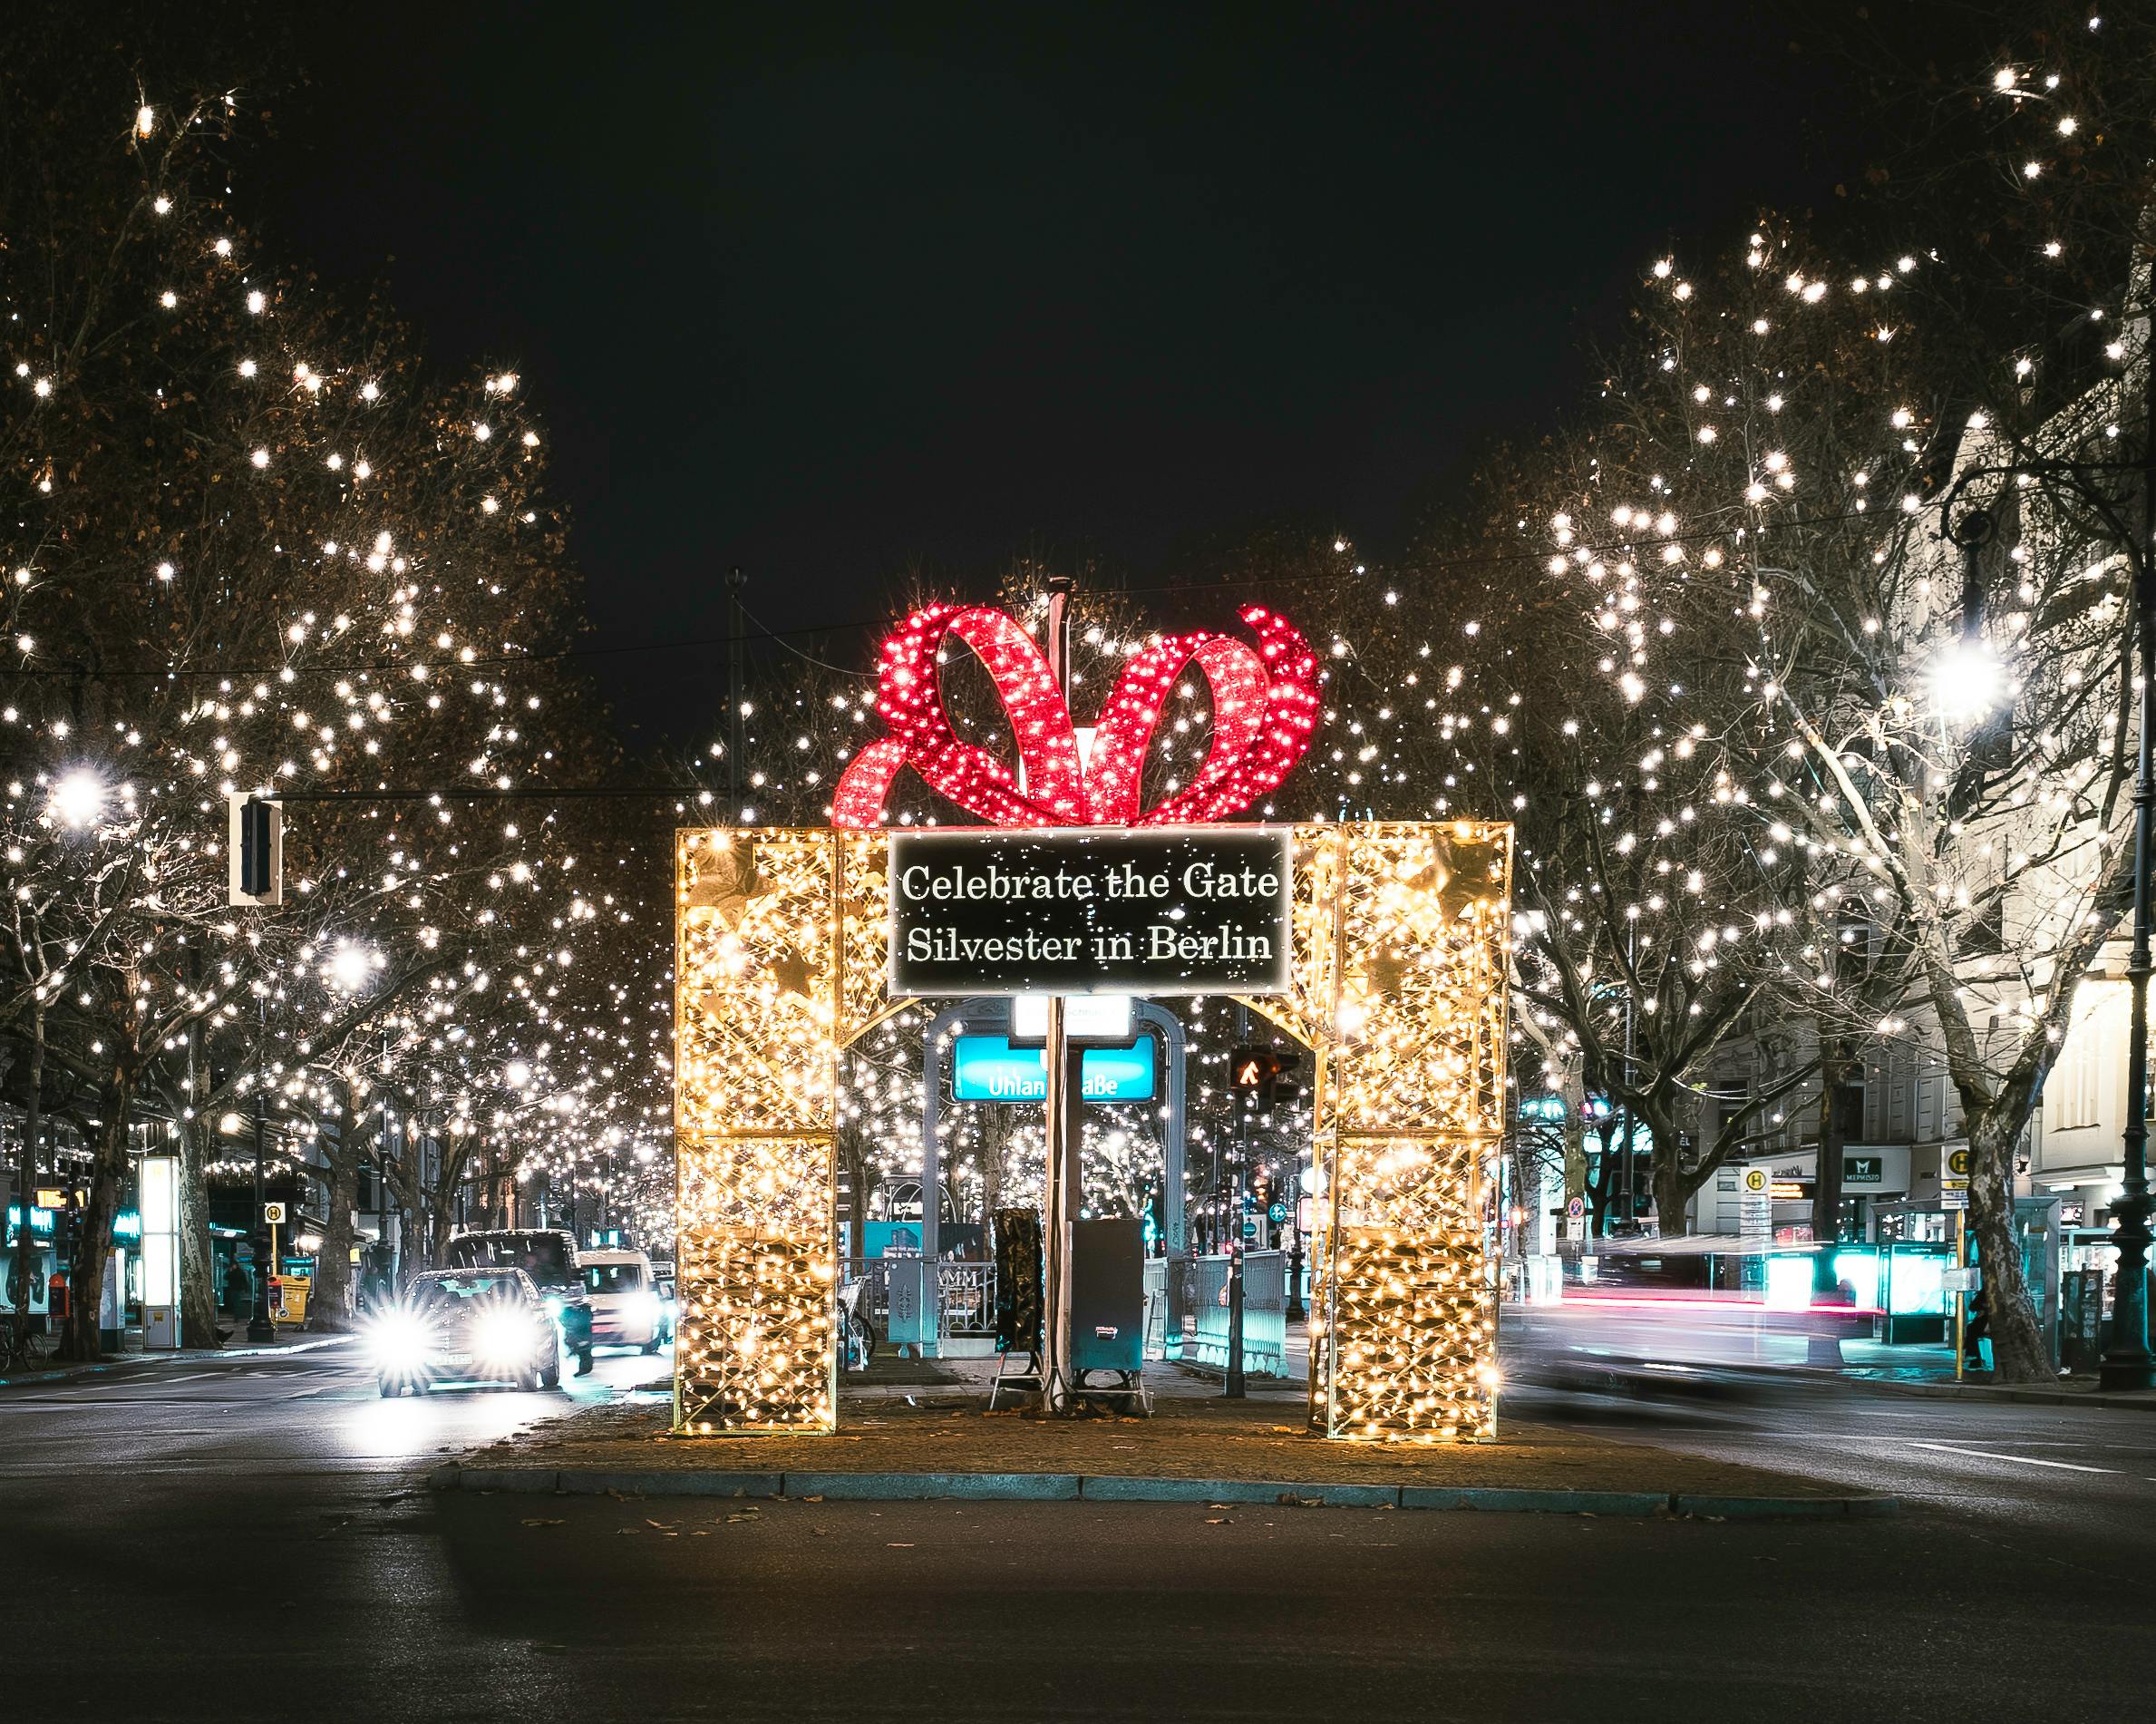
[{"x": 844, "y": 303}]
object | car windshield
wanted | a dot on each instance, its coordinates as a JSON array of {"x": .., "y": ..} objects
[
  {"x": 543, "y": 1256},
  {"x": 452, "y": 1291},
  {"x": 613, "y": 1278}
]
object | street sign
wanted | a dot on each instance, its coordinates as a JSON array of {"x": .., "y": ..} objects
[
  {"x": 1755, "y": 1209},
  {"x": 1276, "y": 1213},
  {"x": 1193, "y": 909},
  {"x": 1251, "y": 1227},
  {"x": 1957, "y": 1162},
  {"x": 1955, "y": 1200},
  {"x": 273, "y": 1214},
  {"x": 989, "y": 1069},
  {"x": 1575, "y": 1207}
]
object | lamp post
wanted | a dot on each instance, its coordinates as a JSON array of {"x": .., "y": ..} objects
[{"x": 2126, "y": 1362}]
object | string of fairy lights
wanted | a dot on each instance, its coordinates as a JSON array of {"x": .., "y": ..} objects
[
  {"x": 444, "y": 991},
  {"x": 1715, "y": 658}
]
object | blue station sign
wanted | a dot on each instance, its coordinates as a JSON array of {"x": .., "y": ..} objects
[{"x": 987, "y": 1068}]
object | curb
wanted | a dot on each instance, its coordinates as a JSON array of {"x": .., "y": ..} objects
[
  {"x": 1065, "y": 1488},
  {"x": 194, "y": 1356}
]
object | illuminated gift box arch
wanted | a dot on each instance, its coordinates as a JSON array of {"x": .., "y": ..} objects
[
  {"x": 1398, "y": 959},
  {"x": 1399, "y": 939}
]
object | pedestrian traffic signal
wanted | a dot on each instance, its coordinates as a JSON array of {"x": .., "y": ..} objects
[{"x": 1257, "y": 1071}]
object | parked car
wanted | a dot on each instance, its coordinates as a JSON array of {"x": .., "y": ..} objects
[
  {"x": 625, "y": 1299},
  {"x": 549, "y": 1256},
  {"x": 466, "y": 1326}
]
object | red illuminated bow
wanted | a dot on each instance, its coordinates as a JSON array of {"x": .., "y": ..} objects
[{"x": 1265, "y": 707}]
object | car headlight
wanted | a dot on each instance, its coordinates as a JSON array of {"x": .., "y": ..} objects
[
  {"x": 399, "y": 1343},
  {"x": 647, "y": 1307},
  {"x": 503, "y": 1337}
]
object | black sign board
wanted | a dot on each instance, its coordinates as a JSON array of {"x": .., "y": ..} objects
[{"x": 1109, "y": 909}]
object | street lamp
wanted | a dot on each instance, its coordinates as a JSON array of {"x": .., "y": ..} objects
[
  {"x": 351, "y": 966},
  {"x": 1966, "y": 681},
  {"x": 77, "y": 799}
]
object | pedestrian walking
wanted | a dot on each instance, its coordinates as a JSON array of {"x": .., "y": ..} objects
[
  {"x": 236, "y": 1291},
  {"x": 1974, "y": 1330}
]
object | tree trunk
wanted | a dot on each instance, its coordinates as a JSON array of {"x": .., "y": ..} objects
[
  {"x": 26, "y": 1187},
  {"x": 197, "y": 1259},
  {"x": 2017, "y": 1349},
  {"x": 331, "y": 1305},
  {"x": 93, "y": 1232},
  {"x": 1671, "y": 1192},
  {"x": 1602, "y": 1189},
  {"x": 1823, "y": 1345}
]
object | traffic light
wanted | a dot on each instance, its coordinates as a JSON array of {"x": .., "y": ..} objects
[
  {"x": 255, "y": 864},
  {"x": 1257, "y": 1071}
]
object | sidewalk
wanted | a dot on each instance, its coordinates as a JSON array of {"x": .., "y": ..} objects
[
  {"x": 294, "y": 1341},
  {"x": 901, "y": 1441}
]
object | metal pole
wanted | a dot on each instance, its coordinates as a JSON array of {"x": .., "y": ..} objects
[
  {"x": 1234, "y": 1389},
  {"x": 736, "y": 581},
  {"x": 259, "y": 1327},
  {"x": 1056, "y": 1111},
  {"x": 1961, "y": 1294},
  {"x": 2127, "y": 1363}
]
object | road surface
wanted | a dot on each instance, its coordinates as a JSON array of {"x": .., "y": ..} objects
[{"x": 248, "y": 1539}]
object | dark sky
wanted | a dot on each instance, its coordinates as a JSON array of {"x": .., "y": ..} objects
[{"x": 834, "y": 300}]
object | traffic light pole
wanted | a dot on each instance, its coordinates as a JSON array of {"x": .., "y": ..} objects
[
  {"x": 259, "y": 1328},
  {"x": 1234, "y": 1389}
]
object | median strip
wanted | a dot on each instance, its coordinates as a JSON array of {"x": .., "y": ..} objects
[{"x": 1046, "y": 1488}]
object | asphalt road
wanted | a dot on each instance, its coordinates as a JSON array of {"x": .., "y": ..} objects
[
  {"x": 2075, "y": 1484},
  {"x": 248, "y": 1539}
]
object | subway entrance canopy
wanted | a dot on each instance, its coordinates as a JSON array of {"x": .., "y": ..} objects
[{"x": 1380, "y": 945}]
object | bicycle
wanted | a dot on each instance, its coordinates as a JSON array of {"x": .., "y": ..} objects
[{"x": 20, "y": 1349}]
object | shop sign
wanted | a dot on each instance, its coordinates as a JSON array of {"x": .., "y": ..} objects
[
  {"x": 1163, "y": 911},
  {"x": 1863, "y": 1170}
]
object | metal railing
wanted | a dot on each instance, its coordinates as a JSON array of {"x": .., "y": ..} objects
[
  {"x": 1186, "y": 1314},
  {"x": 965, "y": 1295}
]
